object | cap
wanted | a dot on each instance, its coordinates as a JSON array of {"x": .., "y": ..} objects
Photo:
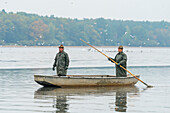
[
  {"x": 120, "y": 47},
  {"x": 61, "y": 46}
]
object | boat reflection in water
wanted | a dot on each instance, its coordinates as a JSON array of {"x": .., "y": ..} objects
[{"x": 61, "y": 96}]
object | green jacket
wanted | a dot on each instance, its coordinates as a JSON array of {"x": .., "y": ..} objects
[
  {"x": 121, "y": 58},
  {"x": 61, "y": 63}
]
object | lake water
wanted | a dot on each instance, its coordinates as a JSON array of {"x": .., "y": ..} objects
[{"x": 20, "y": 94}]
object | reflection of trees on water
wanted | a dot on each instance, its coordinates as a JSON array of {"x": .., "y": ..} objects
[
  {"x": 121, "y": 101},
  {"x": 60, "y": 102}
]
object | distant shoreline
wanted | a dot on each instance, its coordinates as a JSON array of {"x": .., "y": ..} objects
[{"x": 13, "y": 46}]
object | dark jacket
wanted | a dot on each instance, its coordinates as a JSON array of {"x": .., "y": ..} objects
[
  {"x": 122, "y": 59},
  {"x": 61, "y": 63}
]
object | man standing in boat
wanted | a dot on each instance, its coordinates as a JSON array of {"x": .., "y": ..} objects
[
  {"x": 61, "y": 62},
  {"x": 121, "y": 59}
]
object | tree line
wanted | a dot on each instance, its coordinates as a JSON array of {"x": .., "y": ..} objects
[{"x": 33, "y": 30}]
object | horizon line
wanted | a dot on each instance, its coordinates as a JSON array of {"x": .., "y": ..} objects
[{"x": 83, "y": 18}]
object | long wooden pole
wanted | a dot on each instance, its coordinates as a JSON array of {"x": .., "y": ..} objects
[{"x": 117, "y": 63}]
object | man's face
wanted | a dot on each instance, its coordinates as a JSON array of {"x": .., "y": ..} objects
[
  {"x": 61, "y": 49},
  {"x": 120, "y": 50}
]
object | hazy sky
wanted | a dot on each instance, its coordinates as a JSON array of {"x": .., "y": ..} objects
[{"x": 152, "y": 10}]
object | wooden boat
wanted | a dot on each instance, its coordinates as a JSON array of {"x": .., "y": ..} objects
[{"x": 84, "y": 80}]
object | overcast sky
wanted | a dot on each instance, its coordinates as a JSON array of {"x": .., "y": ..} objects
[{"x": 151, "y": 10}]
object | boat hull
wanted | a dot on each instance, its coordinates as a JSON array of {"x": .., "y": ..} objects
[{"x": 84, "y": 81}]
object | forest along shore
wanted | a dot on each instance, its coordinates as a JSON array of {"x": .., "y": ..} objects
[{"x": 33, "y": 30}]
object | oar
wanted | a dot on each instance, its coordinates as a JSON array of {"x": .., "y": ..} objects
[{"x": 117, "y": 63}]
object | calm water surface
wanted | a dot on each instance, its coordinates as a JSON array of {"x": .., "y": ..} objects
[{"x": 20, "y": 94}]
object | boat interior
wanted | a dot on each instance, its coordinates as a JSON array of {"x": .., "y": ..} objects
[
  {"x": 91, "y": 75},
  {"x": 95, "y": 75}
]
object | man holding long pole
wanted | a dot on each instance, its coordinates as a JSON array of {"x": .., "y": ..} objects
[
  {"x": 121, "y": 59},
  {"x": 118, "y": 64}
]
